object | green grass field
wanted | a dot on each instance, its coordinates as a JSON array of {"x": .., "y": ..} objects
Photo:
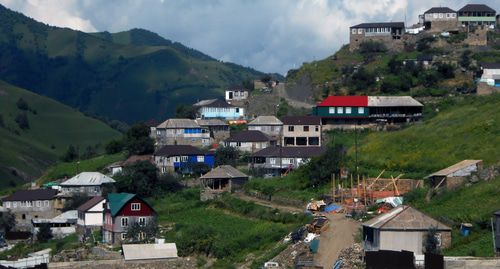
[{"x": 52, "y": 128}]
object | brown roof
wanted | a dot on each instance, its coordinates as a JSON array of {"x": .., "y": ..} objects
[
  {"x": 90, "y": 203},
  {"x": 32, "y": 195},
  {"x": 405, "y": 217},
  {"x": 248, "y": 136},
  {"x": 301, "y": 120},
  {"x": 224, "y": 171},
  {"x": 290, "y": 152},
  {"x": 455, "y": 167}
]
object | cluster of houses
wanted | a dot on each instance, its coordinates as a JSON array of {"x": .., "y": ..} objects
[
  {"x": 434, "y": 20},
  {"x": 111, "y": 213}
]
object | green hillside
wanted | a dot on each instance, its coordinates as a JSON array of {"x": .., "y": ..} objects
[
  {"x": 130, "y": 76},
  {"x": 466, "y": 128},
  {"x": 25, "y": 153}
]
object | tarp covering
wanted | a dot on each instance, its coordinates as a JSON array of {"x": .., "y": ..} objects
[
  {"x": 314, "y": 245},
  {"x": 332, "y": 208},
  {"x": 393, "y": 201}
]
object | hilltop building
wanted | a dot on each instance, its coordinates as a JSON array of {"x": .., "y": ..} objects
[
  {"x": 236, "y": 94},
  {"x": 455, "y": 175},
  {"x": 278, "y": 160},
  {"x": 180, "y": 132},
  {"x": 477, "y": 15},
  {"x": 249, "y": 141},
  {"x": 439, "y": 19},
  {"x": 219, "y": 109},
  {"x": 269, "y": 125},
  {"x": 89, "y": 183},
  {"x": 181, "y": 158},
  {"x": 301, "y": 131},
  {"x": 388, "y": 33},
  {"x": 218, "y": 129},
  {"x": 490, "y": 79}
]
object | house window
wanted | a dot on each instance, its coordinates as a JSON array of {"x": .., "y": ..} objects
[
  {"x": 123, "y": 236},
  {"x": 14, "y": 204},
  {"x": 360, "y": 31},
  {"x": 237, "y": 110},
  {"x": 453, "y": 15},
  {"x": 316, "y": 128},
  {"x": 287, "y": 161},
  {"x": 28, "y": 204},
  {"x": 353, "y": 31},
  {"x": 340, "y": 110},
  {"x": 124, "y": 222},
  {"x": 306, "y": 128},
  {"x": 301, "y": 141},
  {"x": 135, "y": 206},
  {"x": 361, "y": 110},
  {"x": 348, "y": 110},
  {"x": 272, "y": 160},
  {"x": 289, "y": 141},
  {"x": 313, "y": 141},
  {"x": 142, "y": 221},
  {"x": 184, "y": 159},
  {"x": 200, "y": 159},
  {"x": 23, "y": 216},
  {"x": 7, "y": 204},
  {"x": 331, "y": 110},
  {"x": 291, "y": 128},
  {"x": 440, "y": 15},
  {"x": 38, "y": 203}
]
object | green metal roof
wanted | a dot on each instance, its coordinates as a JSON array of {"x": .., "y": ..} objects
[{"x": 117, "y": 201}]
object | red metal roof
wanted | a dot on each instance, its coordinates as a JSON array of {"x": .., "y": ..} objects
[{"x": 356, "y": 101}]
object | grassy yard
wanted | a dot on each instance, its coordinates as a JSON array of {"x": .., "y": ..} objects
[
  {"x": 22, "y": 250},
  {"x": 228, "y": 229}
]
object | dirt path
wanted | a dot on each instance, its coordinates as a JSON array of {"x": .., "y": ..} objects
[
  {"x": 266, "y": 203},
  {"x": 291, "y": 101},
  {"x": 339, "y": 235}
]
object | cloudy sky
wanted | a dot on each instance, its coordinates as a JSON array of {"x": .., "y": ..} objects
[{"x": 268, "y": 35}]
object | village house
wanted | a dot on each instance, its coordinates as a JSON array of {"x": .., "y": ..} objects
[
  {"x": 27, "y": 205},
  {"x": 455, "y": 175},
  {"x": 181, "y": 158},
  {"x": 439, "y": 19},
  {"x": 88, "y": 183},
  {"x": 219, "y": 109},
  {"x": 301, "y": 131},
  {"x": 219, "y": 180},
  {"x": 477, "y": 15},
  {"x": 61, "y": 225},
  {"x": 490, "y": 79},
  {"x": 388, "y": 33},
  {"x": 90, "y": 214},
  {"x": 236, "y": 94},
  {"x": 123, "y": 210},
  {"x": 249, "y": 141},
  {"x": 269, "y": 125},
  {"x": 180, "y": 132},
  {"x": 218, "y": 129},
  {"x": 350, "y": 110},
  {"x": 278, "y": 160},
  {"x": 403, "y": 228},
  {"x": 117, "y": 167}
]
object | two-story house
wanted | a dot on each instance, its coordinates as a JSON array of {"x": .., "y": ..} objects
[
  {"x": 180, "y": 158},
  {"x": 236, "y": 94},
  {"x": 180, "y": 132},
  {"x": 477, "y": 14},
  {"x": 438, "y": 19},
  {"x": 27, "y": 205},
  {"x": 90, "y": 214},
  {"x": 123, "y": 210},
  {"x": 89, "y": 183},
  {"x": 388, "y": 33},
  {"x": 269, "y": 125},
  {"x": 301, "y": 131},
  {"x": 277, "y": 160},
  {"x": 249, "y": 141},
  {"x": 218, "y": 129},
  {"x": 219, "y": 109}
]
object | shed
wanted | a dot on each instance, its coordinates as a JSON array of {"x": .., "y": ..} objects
[
  {"x": 149, "y": 251},
  {"x": 455, "y": 175},
  {"x": 403, "y": 228},
  {"x": 224, "y": 178}
]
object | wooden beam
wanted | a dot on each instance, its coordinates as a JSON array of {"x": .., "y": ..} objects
[{"x": 370, "y": 186}]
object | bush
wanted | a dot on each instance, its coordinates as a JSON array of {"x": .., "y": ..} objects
[
  {"x": 2, "y": 123},
  {"x": 71, "y": 154},
  {"x": 22, "y": 121},
  {"x": 137, "y": 140},
  {"x": 21, "y": 104},
  {"x": 44, "y": 233},
  {"x": 114, "y": 146},
  {"x": 226, "y": 156},
  {"x": 372, "y": 46},
  {"x": 446, "y": 70}
]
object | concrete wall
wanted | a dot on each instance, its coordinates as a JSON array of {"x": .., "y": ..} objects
[
  {"x": 271, "y": 130},
  {"x": 298, "y": 131},
  {"x": 471, "y": 263},
  {"x": 409, "y": 240},
  {"x": 36, "y": 210}
]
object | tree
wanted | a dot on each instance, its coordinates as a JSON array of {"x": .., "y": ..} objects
[
  {"x": 431, "y": 243},
  {"x": 186, "y": 111},
  {"x": 137, "y": 233},
  {"x": 320, "y": 169},
  {"x": 7, "y": 220},
  {"x": 283, "y": 108},
  {"x": 2, "y": 123},
  {"x": 226, "y": 156},
  {"x": 21, "y": 104},
  {"x": 465, "y": 59},
  {"x": 446, "y": 70},
  {"x": 114, "y": 146},
  {"x": 198, "y": 168},
  {"x": 22, "y": 121},
  {"x": 76, "y": 200},
  {"x": 71, "y": 154},
  {"x": 44, "y": 233},
  {"x": 137, "y": 140},
  {"x": 89, "y": 152}
]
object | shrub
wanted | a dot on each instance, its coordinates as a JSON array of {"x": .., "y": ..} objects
[
  {"x": 114, "y": 146},
  {"x": 44, "y": 233},
  {"x": 372, "y": 46},
  {"x": 71, "y": 154},
  {"x": 22, "y": 104},
  {"x": 22, "y": 121}
]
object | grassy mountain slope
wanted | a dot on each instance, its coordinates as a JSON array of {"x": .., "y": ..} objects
[
  {"x": 463, "y": 129},
  {"x": 129, "y": 76},
  {"x": 24, "y": 154}
]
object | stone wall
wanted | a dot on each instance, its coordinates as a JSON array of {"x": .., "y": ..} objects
[
  {"x": 477, "y": 37},
  {"x": 471, "y": 263},
  {"x": 485, "y": 89},
  {"x": 179, "y": 263},
  {"x": 444, "y": 25}
]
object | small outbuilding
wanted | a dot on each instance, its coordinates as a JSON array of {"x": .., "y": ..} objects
[
  {"x": 403, "y": 228},
  {"x": 455, "y": 175},
  {"x": 157, "y": 251},
  {"x": 221, "y": 179},
  {"x": 89, "y": 183}
]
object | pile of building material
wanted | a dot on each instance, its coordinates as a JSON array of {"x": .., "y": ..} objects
[
  {"x": 318, "y": 225},
  {"x": 351, "y": 258}
]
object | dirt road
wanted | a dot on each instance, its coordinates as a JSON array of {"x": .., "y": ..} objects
[{"x": 339, "y": 235}]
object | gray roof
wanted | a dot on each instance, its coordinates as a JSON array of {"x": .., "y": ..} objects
[
  {"x": 65, "y": 217},
  {"x": 455, "y": 167},
  {"x": 248, "y": 136},
  {"x": 380, "y": 24},
  {"x": 388, "y": 101},
  {"x": 405, "y": 218},
  {"x": 211, "y": 122},
  {"x": 301, "y": 120},
  {"x": 32, "y": 195},
  {"x": 440, "y": 10},
  {"x": 88, "y": 179},
  {"x": 224, "y": 171},
  {"x": 266, "y": 120},
  {"x": 149, "y": 251},
  {"x": 178, "y": 123},
  {"x": 476, "y": 8},
  {"x": 490, "y": 65}
]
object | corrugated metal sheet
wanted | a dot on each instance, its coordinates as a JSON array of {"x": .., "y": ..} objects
[
  {"x": 454, "y": 168},
  {"x": 149, "y": 251},
  {"x": 266, "y": 120},
  {"x": 224, "y": 171},
  {"x": 354, "y": 101},
  {"x": 88, "y": 179},
  {"x": 405, "y": 218},
  {"x": 392, "y": 101},
  {"x": 178, "y": 123}
]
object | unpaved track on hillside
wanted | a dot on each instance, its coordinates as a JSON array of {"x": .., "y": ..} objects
[
  {"x": 339, "y": 235},
  {"x": 267, "y": 203}
]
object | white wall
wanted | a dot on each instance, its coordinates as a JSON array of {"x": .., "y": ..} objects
[{"x": 404, "y": 240}]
